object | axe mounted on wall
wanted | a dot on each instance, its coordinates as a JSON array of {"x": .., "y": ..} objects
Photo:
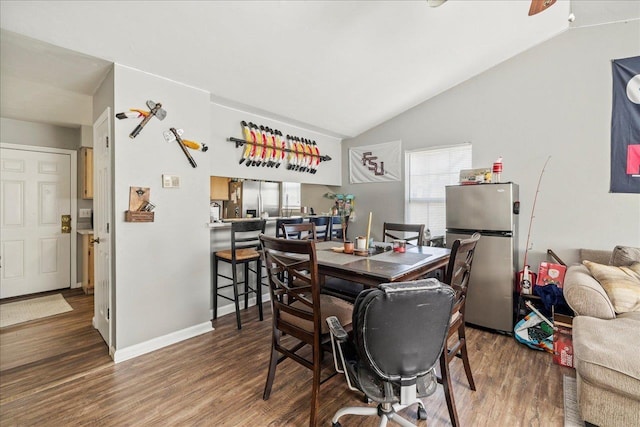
[
  {"x": 155, "y": 110},
  {"x": 175, "y": 135}
]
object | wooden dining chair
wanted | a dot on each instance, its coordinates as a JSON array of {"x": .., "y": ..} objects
[
  {"x": 299, "y": 311},
  {"x": 245, "y": 245},
  {"x": 400, "y": 231},
  {"x": 281, "y": 221},
  {"x": 340, "y": 288},
  {"x": 457, "y": 276},
  {"x": 300, "y": 231},
  {"x": 323, "y": 226}
]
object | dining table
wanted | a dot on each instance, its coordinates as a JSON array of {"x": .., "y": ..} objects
[{"x": 381, "y": 266}]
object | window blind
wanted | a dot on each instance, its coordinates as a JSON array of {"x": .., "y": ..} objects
[{"x": 428, "y": 172}]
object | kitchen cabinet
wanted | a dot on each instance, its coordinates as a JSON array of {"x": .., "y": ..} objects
[
  {"x": 86, "y": 172},
  {"x": 219, "y": 188},
  {"x": 87, "y": 263}
]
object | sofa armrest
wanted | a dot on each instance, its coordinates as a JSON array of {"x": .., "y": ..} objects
[{"x": 585, "y": 295}]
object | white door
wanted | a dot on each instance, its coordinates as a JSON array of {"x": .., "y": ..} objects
[
  {"x": 35, "y": 194},
  {"x": 101, "y": 224}
]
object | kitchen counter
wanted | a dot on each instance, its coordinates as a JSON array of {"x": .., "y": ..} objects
[{"x": 226, "y": 223}]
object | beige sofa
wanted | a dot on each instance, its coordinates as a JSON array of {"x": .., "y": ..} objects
[{"x": 606, "y": 344}]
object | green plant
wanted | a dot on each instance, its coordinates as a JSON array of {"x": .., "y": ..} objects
[{"x": 344, "y": 206}]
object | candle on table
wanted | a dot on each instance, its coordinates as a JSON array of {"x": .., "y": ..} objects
[{"x": 369, "y": 229}]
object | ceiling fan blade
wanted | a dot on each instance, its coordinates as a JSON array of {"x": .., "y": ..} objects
[
  {"x": 538, "y": 6},
  {"x": 435, "y": 3}
]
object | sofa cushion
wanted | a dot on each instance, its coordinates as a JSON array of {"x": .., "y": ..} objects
[
  {"x": 585, "y": 295},
  {"x": 622, "y": 284},
  {"x": 624, "y": 256},
  {"x": 606, "y": 353}
]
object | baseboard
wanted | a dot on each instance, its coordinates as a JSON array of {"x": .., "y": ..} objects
[
  {"x": 160, "y": 342},
  {"x": 78, "y": 285},
  {"x": 231, "y": 308}
]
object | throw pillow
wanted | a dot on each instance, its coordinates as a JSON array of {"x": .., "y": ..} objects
[
  {"x": 624, "y": 255},
  {"x": 622, "y": 284}
]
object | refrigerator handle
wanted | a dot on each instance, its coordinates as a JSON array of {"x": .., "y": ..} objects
[{"x": 516, "y": 207}]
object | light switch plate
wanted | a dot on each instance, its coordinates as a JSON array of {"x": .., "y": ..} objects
[
  {"x": 170, "y": 181},
  {"x": 84, "y": 213}
]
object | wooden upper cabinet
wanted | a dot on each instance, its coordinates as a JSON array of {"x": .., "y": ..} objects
[
  {"x": 87, "y": 263},
  {"x": 86, "y": 172},
  {"x": 219, "y": 188}
]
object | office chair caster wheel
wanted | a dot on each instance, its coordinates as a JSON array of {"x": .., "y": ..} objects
[
  {"x": 422, "y": 413},
  {"x": 337, "y": 424}
]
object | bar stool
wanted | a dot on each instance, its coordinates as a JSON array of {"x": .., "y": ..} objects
[
  {"x": 336, "y": 228},
  {"x": 323, "y": 226},
  {"x": 245, "y": 246},
  {"x": 281, "y": 221}
]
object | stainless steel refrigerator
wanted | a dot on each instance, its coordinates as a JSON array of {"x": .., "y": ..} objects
[
  {"x": 492, "y": 210},
  {"x": 259, "y": 197}
]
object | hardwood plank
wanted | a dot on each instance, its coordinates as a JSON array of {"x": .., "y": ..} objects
[{"x": 217, "y": 379}]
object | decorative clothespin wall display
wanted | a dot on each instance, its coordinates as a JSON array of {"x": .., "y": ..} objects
[
  {"x": 134, "y": 113},
  {"x": 264, "y": 146},
  {"x": 175, "y": 135}
]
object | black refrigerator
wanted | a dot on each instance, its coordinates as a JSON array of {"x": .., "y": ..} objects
[{"x": 492, "y": 210}]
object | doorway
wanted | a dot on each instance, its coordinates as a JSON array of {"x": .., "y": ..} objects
[
  {"x": 102, "y": 146},
  {"x": 37, "y": 201}
]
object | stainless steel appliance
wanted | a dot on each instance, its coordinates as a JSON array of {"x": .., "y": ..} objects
[
  {"x": 215, "y": 212},
  {"x": 261, "y": 197},
  {"x": 492, "y": 210}
]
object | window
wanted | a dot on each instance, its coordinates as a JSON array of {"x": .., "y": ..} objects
[
  {"x": 428, "y": 172},
  {"x": 291, "y": 197}
]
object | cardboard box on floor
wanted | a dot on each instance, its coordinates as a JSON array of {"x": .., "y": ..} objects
[{"x": 562, "y": 340}]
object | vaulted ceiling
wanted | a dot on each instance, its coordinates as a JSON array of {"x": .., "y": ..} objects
[{"x": 341, "y": 67}]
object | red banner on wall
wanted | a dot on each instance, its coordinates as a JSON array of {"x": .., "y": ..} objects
[{"x": 625, "y": 126}]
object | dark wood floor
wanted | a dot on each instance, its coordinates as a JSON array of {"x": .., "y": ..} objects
[{"x": 56, "y": 371}]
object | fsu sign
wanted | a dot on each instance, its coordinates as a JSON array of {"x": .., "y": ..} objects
[{"x": 375, "y": 163}]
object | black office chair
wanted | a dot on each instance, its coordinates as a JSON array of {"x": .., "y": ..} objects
[
  {"x": 399, "y": 332},
  {"x": 400, "y": 232},
  {"x": 323, "y": 226},
  {"x": 245, "y": 246},
  {"x": 279, "y": 222}
]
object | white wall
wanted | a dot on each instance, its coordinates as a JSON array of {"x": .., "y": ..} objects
[
  {"x": 39, "y": 134},
  {"x": 42, "y": 102},
  {"x": 162, "y": 275},
  {"x": 224, "y": 156},
  {"x": 553, "y": 100}
]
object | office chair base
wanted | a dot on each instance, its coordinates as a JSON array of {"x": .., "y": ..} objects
[{"x": 386, "y": 412}]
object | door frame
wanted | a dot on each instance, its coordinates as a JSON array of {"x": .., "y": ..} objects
[
  {"x": 105, "y": 117},
  {"x": 73, "y": 278}
]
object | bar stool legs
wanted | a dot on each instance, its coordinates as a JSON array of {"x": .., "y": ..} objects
[
  {"x": 235, "y": 283},
  {"x": 214, "y": 276}
]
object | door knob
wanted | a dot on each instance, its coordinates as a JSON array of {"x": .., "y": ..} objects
[
  {"x": 65, "y": 224},
  {"x": 96, "y": 240}
]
